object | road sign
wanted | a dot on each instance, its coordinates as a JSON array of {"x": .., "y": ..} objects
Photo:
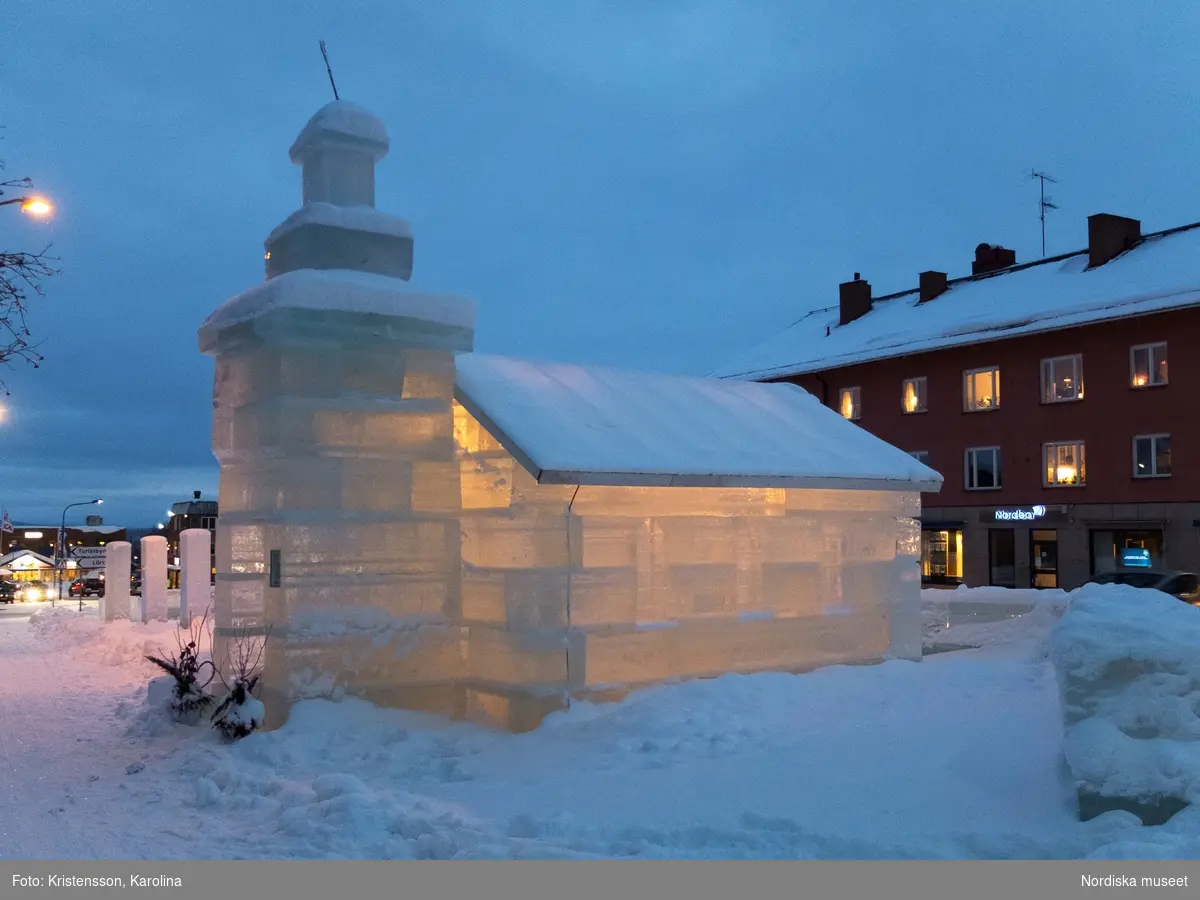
[{"x": 88, "y": 552}]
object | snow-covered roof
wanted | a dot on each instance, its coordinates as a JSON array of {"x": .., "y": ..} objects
[
  {"x": 1160, "y": 273},
  {"x": 341, "y": 119},
  {"x": 343, "y": 290},
  {"x": 570, "y": 424},
  {"x": 355, "y": 218},
  {"x": 18, "y": 554}
]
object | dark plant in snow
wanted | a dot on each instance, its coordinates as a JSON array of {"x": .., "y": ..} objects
[
  {"x": 188, "y": 700},
  {"x": 240, "y": 712}
]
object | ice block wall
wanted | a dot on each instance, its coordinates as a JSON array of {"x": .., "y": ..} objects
[
  {"x": 575, "y": 590},
  {"x": 339, "y": 501}
]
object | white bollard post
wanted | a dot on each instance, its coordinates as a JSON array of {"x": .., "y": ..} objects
[
  {"x": 115, "y": 602},
  {"x": 153, "y": 603},
  {"x": 195, "y": 576}
]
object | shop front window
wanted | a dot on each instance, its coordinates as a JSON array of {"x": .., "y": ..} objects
[
  {"x": 942, "y": 555},
  {"x": 1124, "y": 549}
]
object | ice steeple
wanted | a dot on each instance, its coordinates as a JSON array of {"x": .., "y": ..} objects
[{"x": 338, "y": 226}]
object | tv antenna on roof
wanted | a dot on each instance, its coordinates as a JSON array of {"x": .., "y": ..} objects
[
  {"x": 1044, "y": 204},
  {"x": 325, "y": 56}
]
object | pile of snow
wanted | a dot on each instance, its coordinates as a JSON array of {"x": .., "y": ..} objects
[
  {"x": 1128, "y": 663},
  {"x": 83, "y": 636},
  {"x": 989, "y": 618},
  {"x": 958, "y": 756}
]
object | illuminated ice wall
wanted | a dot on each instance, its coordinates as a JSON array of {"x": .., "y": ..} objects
[{"x": 394, "y": 549}]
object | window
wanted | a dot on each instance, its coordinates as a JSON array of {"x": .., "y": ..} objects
[
  {"x": 273, "y": 575},
  {"x": 851, "y": 402},
  {"x": 1062, "y": 379},
  {"x": 1065, "y": 464},
  {"x": 1148, "y": 365},
  {"x": 1152, "y": 456},
  {"x": 983, "y": 468},
  {"x": 921, "y": 456},
  {"x": 913, "y": 397},
  {"x": 981, "y": 389}
]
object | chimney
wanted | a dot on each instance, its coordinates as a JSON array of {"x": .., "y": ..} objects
[
  {"x": 933, "y": 284},
  {"x": 854, "y": 300},
  {"x": 196, "y": 494},
  {"x": 991, "y": 258},
  {"x": 1109, "y": 236}
]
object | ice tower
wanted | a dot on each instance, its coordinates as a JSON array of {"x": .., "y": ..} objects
[{"x": 333, "y": 426}]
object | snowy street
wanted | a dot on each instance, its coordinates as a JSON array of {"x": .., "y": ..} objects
[{"x": 958, "y": 756}]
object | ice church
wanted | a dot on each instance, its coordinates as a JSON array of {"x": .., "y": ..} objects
[{"x": 488, "y": 537}]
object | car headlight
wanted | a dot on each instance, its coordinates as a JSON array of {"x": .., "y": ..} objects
[{"x": 33, "y": 594}]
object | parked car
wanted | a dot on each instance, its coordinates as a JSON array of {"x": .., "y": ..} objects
[
  {"x": 1184, "y": 586},
  {"x": 33, "y": 591},
  {"x": 8, "y": 591},
  {"x": 93, "y": 586}
]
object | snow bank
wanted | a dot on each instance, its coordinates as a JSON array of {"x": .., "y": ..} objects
[
  {"x": 1128, "y": 664},
  {"x": 83, "y": 636},
  {"x": 990, "y": 618}
]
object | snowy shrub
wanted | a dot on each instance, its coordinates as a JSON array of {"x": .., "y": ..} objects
[
  {"x": 188, "y": 700},
  {"x": 240, "y": 712}
]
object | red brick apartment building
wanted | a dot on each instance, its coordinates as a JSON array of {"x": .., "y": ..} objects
[{"x": 1054, "y": 397}]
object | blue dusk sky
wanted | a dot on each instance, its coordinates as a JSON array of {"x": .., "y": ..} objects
[{"x": 656, "y": 185}]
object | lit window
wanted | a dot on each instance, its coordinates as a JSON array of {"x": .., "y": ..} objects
[
  {"x": 1152, "y": 456},
  {"x": 981, "y": 389},
  {"x": 851, "y": 402},
  {"x": 983, "y": 468},
  {"x": 913, "y": 400},
  {"x": 1062, "y": 379},
  {"x": 1065, "y": 464},
  {"x": 921, "y": 456},
  {"x": 1148, "y": 364}
]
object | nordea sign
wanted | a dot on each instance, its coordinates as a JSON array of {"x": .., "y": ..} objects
[{"x": 1020, "y": 515}]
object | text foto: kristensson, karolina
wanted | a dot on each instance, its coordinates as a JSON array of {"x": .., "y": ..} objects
[
  {"x": 93, "y": 881},
  {"x": 1131, "y": 881}
]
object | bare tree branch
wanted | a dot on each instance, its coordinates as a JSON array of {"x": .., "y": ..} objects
[{"x": 21, "y": 276}]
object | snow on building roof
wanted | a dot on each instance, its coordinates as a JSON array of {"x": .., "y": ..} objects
[
  {"x": 342, "y": 119},
  {"x": 1160, "y": 273},
  {"x": 355, "y": 218},
  {"x": 18, "y": 554},
  {"x": 343, "y": 290},
  {"x": 570, "y": 424}
]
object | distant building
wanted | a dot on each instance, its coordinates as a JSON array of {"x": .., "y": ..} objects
[
  {"x": 1043, "y": 488},
  {"x": 194, "y": 513},
  {"x": 41, "y": 538}
]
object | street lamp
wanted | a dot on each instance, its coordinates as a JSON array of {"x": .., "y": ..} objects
[
  {"x": 38, "y": 207},
  {"x": 60, "y": 545}
]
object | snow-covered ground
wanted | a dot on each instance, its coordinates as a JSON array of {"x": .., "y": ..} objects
[{"x": 959, "y": 756}]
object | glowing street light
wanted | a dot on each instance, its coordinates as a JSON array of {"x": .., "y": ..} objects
[{"x": 38, "y": 207}]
